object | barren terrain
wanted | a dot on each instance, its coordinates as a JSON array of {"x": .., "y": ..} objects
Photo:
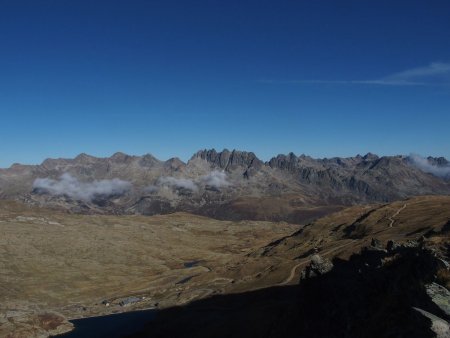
[
  {"x": 57, "y": 266},
  {"x": 84, "y": 265}
]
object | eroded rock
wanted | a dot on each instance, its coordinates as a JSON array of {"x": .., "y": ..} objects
[{"x": 317, "y": 267}]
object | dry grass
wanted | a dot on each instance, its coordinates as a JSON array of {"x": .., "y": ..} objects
[{"x": 69, "y": 264}]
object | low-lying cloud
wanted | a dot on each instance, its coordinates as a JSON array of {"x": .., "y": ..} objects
[
  {"x": 150, "y": 189},
  {"x": 70, "y": 186},
  {"x": 425, "y": 165},
  {"x": 184, "y": 183},
  {"x": 216, "y": 179}
]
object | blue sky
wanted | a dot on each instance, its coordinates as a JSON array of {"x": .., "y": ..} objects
[{"x": 324, "y": 78}]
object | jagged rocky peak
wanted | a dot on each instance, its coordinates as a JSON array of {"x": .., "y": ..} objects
[
  {"x": 291, "y": 162},
  {"x": 439, "y": 161},
  {"x": 370, "y": 157},
  {"x": 243, "y": 158},
  {"x": 387, "y": 162},
  {"x": 284, "y": 162},
  {"x": 228, "y": 160},
  {"x": 219, "y": 159}
]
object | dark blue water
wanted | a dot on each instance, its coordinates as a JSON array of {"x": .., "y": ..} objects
[
  {"x": 191, "y": 264},
  {"x": 111, "y": 326}
]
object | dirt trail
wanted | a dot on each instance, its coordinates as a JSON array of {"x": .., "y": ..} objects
[
  {"x": 304, "y": 262},
  {"x": 391, "y": 218},
  {"x": 307, "y": 260}
]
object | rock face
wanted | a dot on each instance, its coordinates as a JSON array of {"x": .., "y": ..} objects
[
  {"x": 233, "y": 184},
  {"x": 318, "y": 266},
  {"x": 440, "y": 296},
  {"x": 439, "y": 161},
  {"x": 230, "y": 161},
  {"x": 389, "y": 286}
]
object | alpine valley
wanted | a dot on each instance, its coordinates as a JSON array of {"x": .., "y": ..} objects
[{"x": 226, "y": 245}]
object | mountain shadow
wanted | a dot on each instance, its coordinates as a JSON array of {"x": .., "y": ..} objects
[{"x": 370, "y": 295}]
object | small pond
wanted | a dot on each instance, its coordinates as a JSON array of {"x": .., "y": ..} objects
[{"x": 112, "y": 326}]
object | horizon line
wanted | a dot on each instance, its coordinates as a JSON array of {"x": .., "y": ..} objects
[{"x": 369, "y": 153}]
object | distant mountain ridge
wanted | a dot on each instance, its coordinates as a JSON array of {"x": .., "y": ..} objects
[{"x": 227, "y": 184}]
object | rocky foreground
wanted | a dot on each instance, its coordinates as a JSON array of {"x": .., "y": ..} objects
[{"x": 400, "y": 290}]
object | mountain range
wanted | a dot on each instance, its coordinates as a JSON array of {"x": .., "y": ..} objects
[{"x": 225, "y": 185}]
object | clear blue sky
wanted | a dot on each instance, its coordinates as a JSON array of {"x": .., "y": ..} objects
[{"x": 325, "y": 78}]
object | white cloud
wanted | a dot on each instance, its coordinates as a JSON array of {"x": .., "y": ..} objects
[
  {"x": 177, "y": 183},
  {"x": 70, "y": 186},
  {"x": 436, "y": 73},
  {"x": 428, "y": 167},
  {"x": 151, "y": 189},
  {"x": 216, "y": 179},
  {"x": 433, "y": 69}
]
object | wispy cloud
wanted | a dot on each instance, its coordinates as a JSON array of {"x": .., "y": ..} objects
[
  {"x": 70, "y": 186},
  {"x": 435, "y": 74},
  {"x": 184, "y": 183},
  {"x": 216, "y": 179},
  {"x": 427, "y": 166}
]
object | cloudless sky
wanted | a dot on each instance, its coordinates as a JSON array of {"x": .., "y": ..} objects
[{"x": 324, "y": 78}]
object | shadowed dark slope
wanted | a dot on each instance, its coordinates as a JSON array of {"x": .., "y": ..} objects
[{"x": 371, "y": 295}]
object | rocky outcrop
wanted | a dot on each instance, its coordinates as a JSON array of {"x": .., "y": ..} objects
[
  {"x": 439, "y": 161},
  {"x": 390, "y": 284},
  {"x": 375, "y": 178},
  {"x": 317, "y": 267},
  {"x": 440, "y": 296},
  {"x": 284, "y": 162},
  {"x": 230, "y": 160},
  {"x": 373, "y": 294}
]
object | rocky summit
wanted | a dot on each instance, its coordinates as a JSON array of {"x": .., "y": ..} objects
[{"x": 225, "y": 185}]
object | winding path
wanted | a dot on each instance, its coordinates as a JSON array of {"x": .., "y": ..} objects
[
  {"x": 292, "y": 274},
  {"x": 391, "y": 218},
  {"x": 304, "y": 262}
]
